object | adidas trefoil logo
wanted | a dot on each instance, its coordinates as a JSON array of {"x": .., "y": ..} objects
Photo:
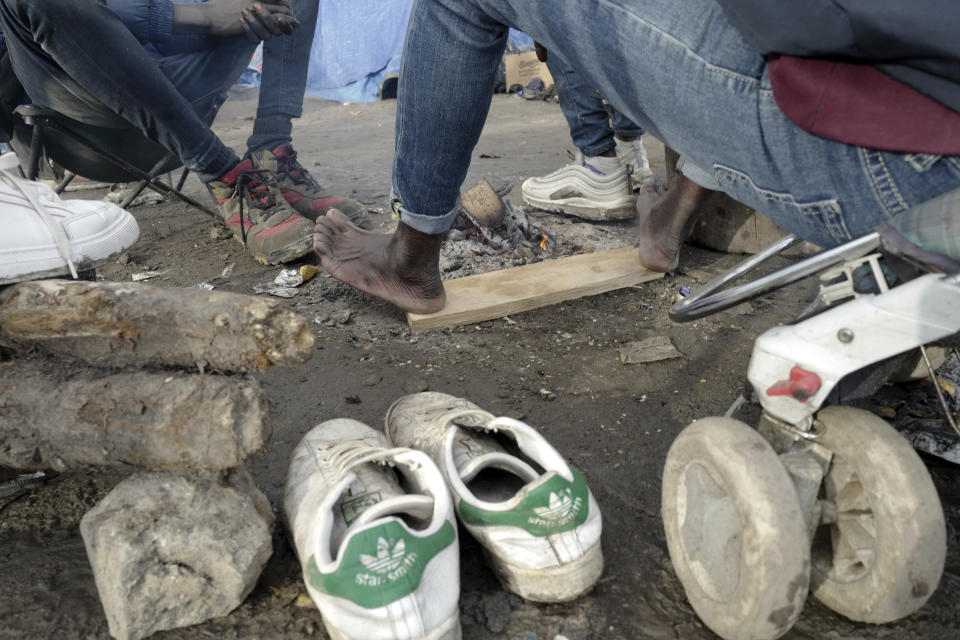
[
  {"x": 387, "y": 558},
  {"x": 391, "y": 563},
  {"x": 561, "y": 508}
]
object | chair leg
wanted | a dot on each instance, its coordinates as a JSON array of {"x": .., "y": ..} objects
[
  {"x": 68, "y": 177},
  {"x": 143, "y": 184},
  {"x": 183, "y": 179},
  {"x": 36, "y": 150},
  {"x": 159, "y": 187}
]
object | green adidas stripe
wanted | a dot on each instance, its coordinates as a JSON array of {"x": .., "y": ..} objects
[
  {"x": 381, "y": 564},
  {"x": 555, "y": 506}
]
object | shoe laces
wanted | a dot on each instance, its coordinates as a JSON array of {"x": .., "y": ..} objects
[
  {"x": 29, "y": 191},
  {"x": 349, "y": 454},
  {"x": 254, "y": 188},
  {"x": 288, "y": 167}
]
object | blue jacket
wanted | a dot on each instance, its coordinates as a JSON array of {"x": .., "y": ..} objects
[{"x": 914, "y": 41}]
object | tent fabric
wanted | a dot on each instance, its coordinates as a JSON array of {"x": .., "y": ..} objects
[{"x": 357, "y": 42}]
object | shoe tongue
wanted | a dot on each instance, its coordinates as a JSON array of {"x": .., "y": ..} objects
[
  {"x": 497, "y": 460},
  {"x": 418, "y": 506}
]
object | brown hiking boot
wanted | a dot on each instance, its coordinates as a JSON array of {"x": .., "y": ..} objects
[
  {"x": 300, "y": 189},
  {"x": 253, "y": 208}
]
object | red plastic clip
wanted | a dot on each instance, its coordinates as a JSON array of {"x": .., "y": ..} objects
[{"x": 801, "y": 385}]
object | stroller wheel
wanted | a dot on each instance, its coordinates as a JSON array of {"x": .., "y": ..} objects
[
  {"x": 734, "y": 530},
  {"x": 879, "y": 550}
]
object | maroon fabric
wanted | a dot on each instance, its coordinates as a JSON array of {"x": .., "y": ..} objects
[{"x": 859, "y": 104}]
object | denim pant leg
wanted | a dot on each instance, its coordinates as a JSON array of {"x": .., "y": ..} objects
[
  {"x": 89, "y": 59},
  {"x": 583, "y": 108},
  {"x": 623, "y": 126},
  {"x": 203, "y": 69},
  {"x": 284, "y": 79},
  {"x": 698, "y": 86}
]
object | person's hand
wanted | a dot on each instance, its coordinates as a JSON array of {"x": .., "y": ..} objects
[
  {"x": 264, "y": 20},
  {"x": 260, "y": 20}
]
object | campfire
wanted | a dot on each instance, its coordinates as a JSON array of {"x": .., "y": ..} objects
[{"x": 475, "y": 245}]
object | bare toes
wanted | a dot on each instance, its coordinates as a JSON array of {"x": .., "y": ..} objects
[{"x": 336, "y": 218}]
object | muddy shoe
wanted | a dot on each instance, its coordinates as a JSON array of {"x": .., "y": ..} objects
[
  {"x": 532, "y": 512},
  {"x": 380, "y": 560},
  {"x": 303, "y": 192},
  {"x": 252, "y": 207},
  {"x": 583, "y": 190}
]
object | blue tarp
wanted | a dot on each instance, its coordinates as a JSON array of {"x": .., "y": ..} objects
[{"x": 357, "y": 42}]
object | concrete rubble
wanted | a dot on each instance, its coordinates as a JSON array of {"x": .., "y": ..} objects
[{"x": 170, "y": 550}]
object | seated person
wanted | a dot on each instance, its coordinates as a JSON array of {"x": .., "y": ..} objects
[
  {"x": 829, "y": 117},
  {"x": 165, "y": 67}
]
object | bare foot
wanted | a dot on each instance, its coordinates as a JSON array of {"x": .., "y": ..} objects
[
  {"x": 401, "y": 268},
  {"x": 666, "y": 221}
]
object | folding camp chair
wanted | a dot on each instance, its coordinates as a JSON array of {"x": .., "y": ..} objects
[{"x": 98, "y": 153}]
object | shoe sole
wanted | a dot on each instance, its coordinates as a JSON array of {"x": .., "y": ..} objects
[
  {"x": 586, "y": 209},
  {"x": 555, "y": 584},
  {"x": 449, "y": 630},
  {"x": 124, "y": 231},
  {"x": 291, "y": 252}
]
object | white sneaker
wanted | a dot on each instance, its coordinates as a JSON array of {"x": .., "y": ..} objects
[
  {"x": 633, "y": 156},
  {"x": 584, "y": 191},
  {"x": 45, "y": 236},
  {"x": 381, "y": 562},
  {"x": 530, "y": 510}
]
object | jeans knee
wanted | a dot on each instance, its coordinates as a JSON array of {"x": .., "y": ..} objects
[{"x": 31, "y": 11}]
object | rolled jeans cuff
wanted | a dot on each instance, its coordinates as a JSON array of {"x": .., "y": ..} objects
[
  {"x": 696, "y": 173},
  {"x": 594, "y": 150},
  {"x": 433, "y": 225}
]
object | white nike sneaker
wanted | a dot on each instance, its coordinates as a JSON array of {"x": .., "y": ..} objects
[
  {"x": 380, "y": 561},
  {"x": 633, "y": 156},
  {"x": 530, "y": 510},
  {"x": 582, "y": 190},
  {"x": 45, "y": 236}
]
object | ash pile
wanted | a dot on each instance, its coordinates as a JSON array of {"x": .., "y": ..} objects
[{"x": 492, "y": 233}]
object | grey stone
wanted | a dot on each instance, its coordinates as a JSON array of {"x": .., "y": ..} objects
[
  {"x": 415, "y": 385},
  {"x": 341, "y": 316},
  {"x": 220, "y": 233},
  {"x": 496, "y": 611},
  {"x": 170, "y": 550}
]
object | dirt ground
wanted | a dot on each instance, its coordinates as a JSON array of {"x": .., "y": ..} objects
[{"x": 557, "y": 368}]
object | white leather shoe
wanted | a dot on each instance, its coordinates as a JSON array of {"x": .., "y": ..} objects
[
  {"x": 530, "y": 510},
  {"x": 44, "y": 236}
]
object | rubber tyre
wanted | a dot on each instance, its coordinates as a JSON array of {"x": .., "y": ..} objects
[
  {"x": 910, "y": 535},
  {"x": 744, "y": 557}
]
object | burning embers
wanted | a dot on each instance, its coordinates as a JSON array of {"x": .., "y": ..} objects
[{"x": 491, "y": 233}]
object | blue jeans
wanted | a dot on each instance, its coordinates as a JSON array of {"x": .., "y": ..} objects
[
  {"x": 591, "y": 127},
  {"x": 92, "y": 69},
  {"x": 677, "y": 68}
]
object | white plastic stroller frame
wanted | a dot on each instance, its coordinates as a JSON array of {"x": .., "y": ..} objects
[{"x": 828, "y": 500}]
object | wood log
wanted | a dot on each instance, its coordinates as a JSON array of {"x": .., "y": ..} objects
[
  {"x": 117, "y": 324},
  {"x": 151, "y": 420}
]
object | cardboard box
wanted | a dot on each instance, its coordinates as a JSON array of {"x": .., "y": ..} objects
[{"x": 521, "y": 68}]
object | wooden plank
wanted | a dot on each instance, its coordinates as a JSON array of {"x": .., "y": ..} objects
[
  {"x": 493, "y": 295},
  {"x": 649, "y": 350}
]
